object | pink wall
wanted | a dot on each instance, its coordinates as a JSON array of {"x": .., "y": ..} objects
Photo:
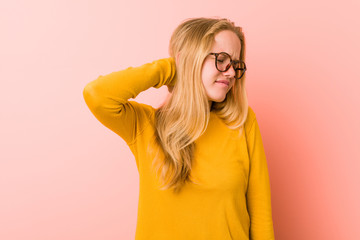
[{"x": 63, "y": 175}]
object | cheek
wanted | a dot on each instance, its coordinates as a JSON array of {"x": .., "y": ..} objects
[{"x": 208, "y": 74}]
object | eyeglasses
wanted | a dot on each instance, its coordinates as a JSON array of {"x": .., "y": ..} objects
[{"x": 223, "y": 62}]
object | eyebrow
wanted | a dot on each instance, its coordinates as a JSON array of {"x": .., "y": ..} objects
[{"x": 233, "y": 58}]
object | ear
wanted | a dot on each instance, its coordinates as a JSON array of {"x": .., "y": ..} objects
[{"x": 177, "y": 58}]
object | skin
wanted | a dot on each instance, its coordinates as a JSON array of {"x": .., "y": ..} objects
[{"x": 225, "y": 41}]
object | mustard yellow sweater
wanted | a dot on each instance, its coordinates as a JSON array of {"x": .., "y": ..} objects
[{"x": 233, "y": 198}]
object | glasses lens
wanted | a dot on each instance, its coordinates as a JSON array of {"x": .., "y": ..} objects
[
  {"x": 223, "y": 62},
  {"x": 240, "y": 70},
  {"x": 239, "y": 73}
]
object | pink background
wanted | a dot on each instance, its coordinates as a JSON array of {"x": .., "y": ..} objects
[{"x": 63, "y": 175}]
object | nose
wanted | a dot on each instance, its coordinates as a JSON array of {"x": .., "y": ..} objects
[{"x": 230, "y": 72}]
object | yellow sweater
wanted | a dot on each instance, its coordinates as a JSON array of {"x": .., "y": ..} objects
[{"x": 233, "y": 198}]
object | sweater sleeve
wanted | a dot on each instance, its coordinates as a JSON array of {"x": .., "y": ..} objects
[
  {"x": 258, "y": 195},
  {"x": 107, "y": 96}
]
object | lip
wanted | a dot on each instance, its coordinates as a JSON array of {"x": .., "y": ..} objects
[{"x": 223, "y": 82}]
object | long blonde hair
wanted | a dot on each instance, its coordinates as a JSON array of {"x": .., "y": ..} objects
[{"x": 184, "y": 117}]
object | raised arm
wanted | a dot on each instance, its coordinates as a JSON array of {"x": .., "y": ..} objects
[
  {"x": 258, "y": 194},
  {"x": 107, "y": 96}
]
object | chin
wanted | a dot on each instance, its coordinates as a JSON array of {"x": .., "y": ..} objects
[{"x": 218, "y": 99}]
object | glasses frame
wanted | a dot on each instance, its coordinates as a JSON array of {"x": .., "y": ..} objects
[{"x": 232, "y": 62}]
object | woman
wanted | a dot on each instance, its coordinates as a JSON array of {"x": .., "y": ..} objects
[{"x": 202, "y": 167}]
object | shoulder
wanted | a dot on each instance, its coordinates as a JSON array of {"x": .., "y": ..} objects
[{"x": 250, "y": 119}]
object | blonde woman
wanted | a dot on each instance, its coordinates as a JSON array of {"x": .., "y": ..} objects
[{"x": 202, "y": 167}]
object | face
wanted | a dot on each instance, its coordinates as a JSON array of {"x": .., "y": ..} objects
[{"x": 225, "y": 41}]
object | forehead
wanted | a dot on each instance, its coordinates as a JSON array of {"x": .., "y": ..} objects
[{"x": 227, "y": 41}]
